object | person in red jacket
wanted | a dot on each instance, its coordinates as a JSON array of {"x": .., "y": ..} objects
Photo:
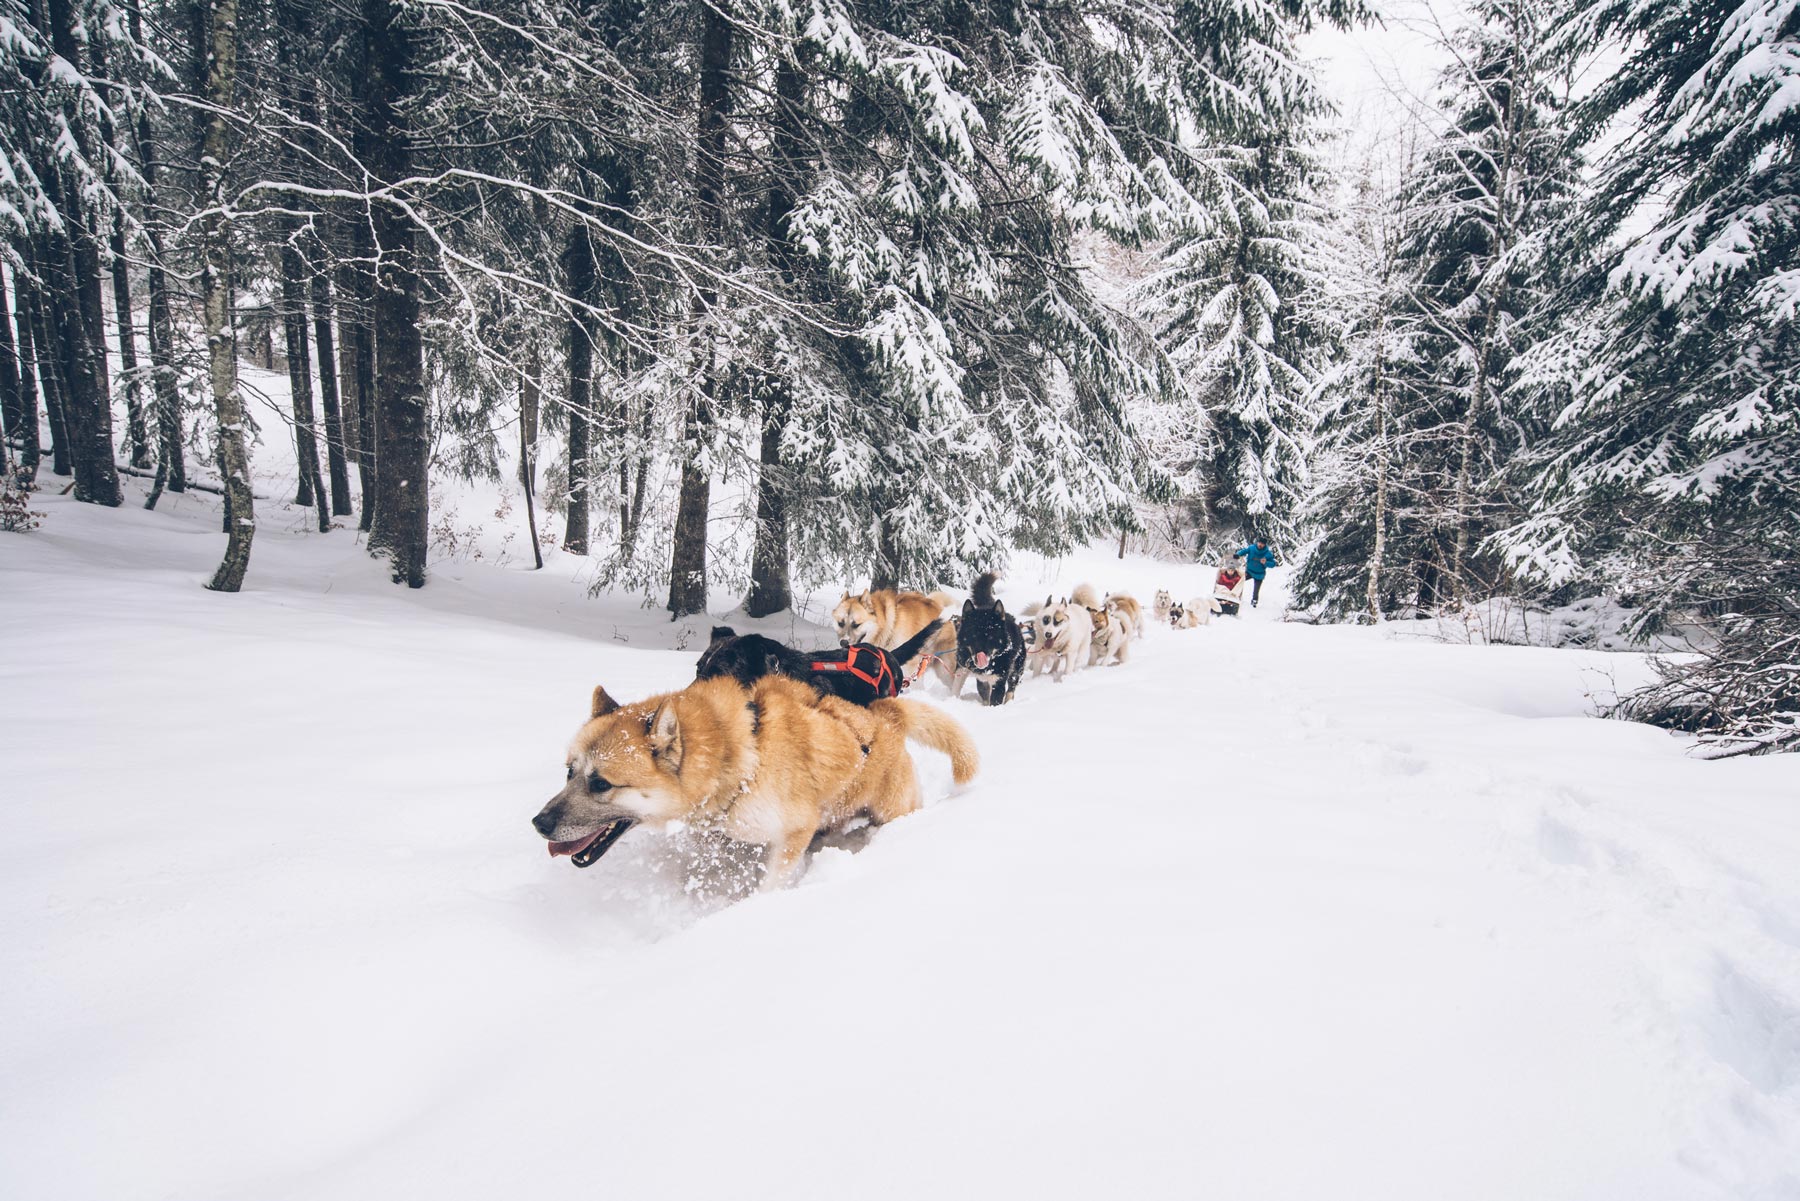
[{"x": 1228, "y": 588}]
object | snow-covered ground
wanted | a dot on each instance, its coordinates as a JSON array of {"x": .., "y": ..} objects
[{"x": 1273, "y": 911}]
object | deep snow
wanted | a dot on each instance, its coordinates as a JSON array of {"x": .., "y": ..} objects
[{"x": 1273, "y": 911}]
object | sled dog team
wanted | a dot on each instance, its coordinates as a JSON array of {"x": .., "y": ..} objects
[{"x": 775, "y": 747}]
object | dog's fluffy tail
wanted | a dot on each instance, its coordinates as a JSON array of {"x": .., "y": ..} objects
[
  {"x": 909, "y": 650},
  {"x": 1084, "y": 595},
  {"x": 930, "y": 726},
  {"x": 984, "y": 590},
  {"x": 943, "y": 600}
]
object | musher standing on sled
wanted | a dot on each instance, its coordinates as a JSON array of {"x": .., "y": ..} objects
[{"x": 1257, "y": 561}]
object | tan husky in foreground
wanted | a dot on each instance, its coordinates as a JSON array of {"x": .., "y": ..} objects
[
  {"x": 771, "y": 765},
  {"x": 885, "y": 618}
]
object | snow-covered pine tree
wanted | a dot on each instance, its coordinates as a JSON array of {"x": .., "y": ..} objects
[
  {"x": 1476, "y": 222},
  {"x": 1229, "y": 297},
  {"x": 1672, "y": 475},
  {"x": 1228, "y": 301},
  {"x": 1360, "y": 458},
  {"x": 975, "y": 396},
  {"x": 57, "y": 200},
  {"x": 1482, "y": 215}
]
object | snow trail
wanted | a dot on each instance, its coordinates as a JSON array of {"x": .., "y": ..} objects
[{"x": 1271, "y": 911}]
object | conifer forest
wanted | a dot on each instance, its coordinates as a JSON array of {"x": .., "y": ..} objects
[{"x": 908, "y": 287}]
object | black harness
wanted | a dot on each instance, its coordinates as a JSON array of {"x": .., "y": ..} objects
[{"x": 870, "y": 664}]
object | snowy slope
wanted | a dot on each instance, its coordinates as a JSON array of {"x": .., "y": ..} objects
[{"x": 1273, "y": 911}]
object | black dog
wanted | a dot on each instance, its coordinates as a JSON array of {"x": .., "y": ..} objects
[
  {"x": 989, "y": 646},
  {"x": 859, "y": 673}
]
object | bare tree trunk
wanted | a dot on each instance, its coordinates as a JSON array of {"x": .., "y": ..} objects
[
  {"x": 403, "y": 515},
  {"x": 80, "y": 418},
  {"x": 328, "y": 384},
  {"x": 33, "y": 312},
  {"x": 636, "y": 514},
  {"x": 165, "y": 386},
  {"x": 171, "y": 459},
  {"x": 31, "y": 453},
  {"x": 74, "y": 296},
  {"x": 309, "y": 255},
  {"x": 1378, "y": 555},
  {"x": 357, "y": 362},
  {"x": 368, "y": 421},
  {"x": 1466, "y": 454},
  {"x": 529, "y": 404},
  {"x": 12, "y": 406},
  {"x": 887, "y": 558},
  {"x": 687, "y": 562},
  {"x": 129, "y": 381},
  {"x": 215, "y": 290},
  {"x": 299, "y": 360},
  {"x": 770, "y": 591},
  {"x": 578, "y": 265}
]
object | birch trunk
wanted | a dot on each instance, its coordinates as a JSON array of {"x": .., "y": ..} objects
[{"x": 215, "y": 291}]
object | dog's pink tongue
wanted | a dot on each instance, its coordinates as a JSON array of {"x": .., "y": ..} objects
[
  {"x": 981, "y": 659},
  {"x": 572, "y": 846}
]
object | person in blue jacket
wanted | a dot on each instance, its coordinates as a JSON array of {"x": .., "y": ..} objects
[{"x": 1257, "y": 561}]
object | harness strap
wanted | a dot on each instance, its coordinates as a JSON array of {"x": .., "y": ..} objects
[{"x": 883, "y": 671}]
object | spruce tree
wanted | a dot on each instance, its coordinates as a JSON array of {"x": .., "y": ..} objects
[
  {"x": 1230, "y": 299},
  {"x": 1672, "y": 473},
  {"x": 1468, "y": 284}
]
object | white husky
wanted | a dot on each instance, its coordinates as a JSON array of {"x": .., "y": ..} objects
[{"x": 1065, "y": 635}]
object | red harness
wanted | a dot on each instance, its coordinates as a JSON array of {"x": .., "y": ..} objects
[{"x": 881, "y": 680}]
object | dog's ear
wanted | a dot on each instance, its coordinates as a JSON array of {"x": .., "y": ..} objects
[
  {"x": 968, "y": 606},
  {"x": 721, "y": 633},
  {"x": 772, "y": 664},
  {"x": 999, "y": 608},
  {"x": 603, "y": 704},
  {"x": 665, "y": 735}
]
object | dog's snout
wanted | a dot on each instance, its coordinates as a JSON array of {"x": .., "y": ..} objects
[{"x": 545, "y": 821}]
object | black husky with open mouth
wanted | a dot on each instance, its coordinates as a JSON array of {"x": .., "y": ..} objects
[{"x": 989, "y": 645}]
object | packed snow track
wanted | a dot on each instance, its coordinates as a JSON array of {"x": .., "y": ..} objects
[{"x": 1272, "y": 911}]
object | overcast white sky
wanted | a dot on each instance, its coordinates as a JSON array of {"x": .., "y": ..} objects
[{"x": 1369, "y": 70}]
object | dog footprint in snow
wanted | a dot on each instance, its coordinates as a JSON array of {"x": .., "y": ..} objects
[
  {"x": 1389, "y": 760},
  {"x": 1753, "y": 1029},
  {"x": 1562, "y": 844}
]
